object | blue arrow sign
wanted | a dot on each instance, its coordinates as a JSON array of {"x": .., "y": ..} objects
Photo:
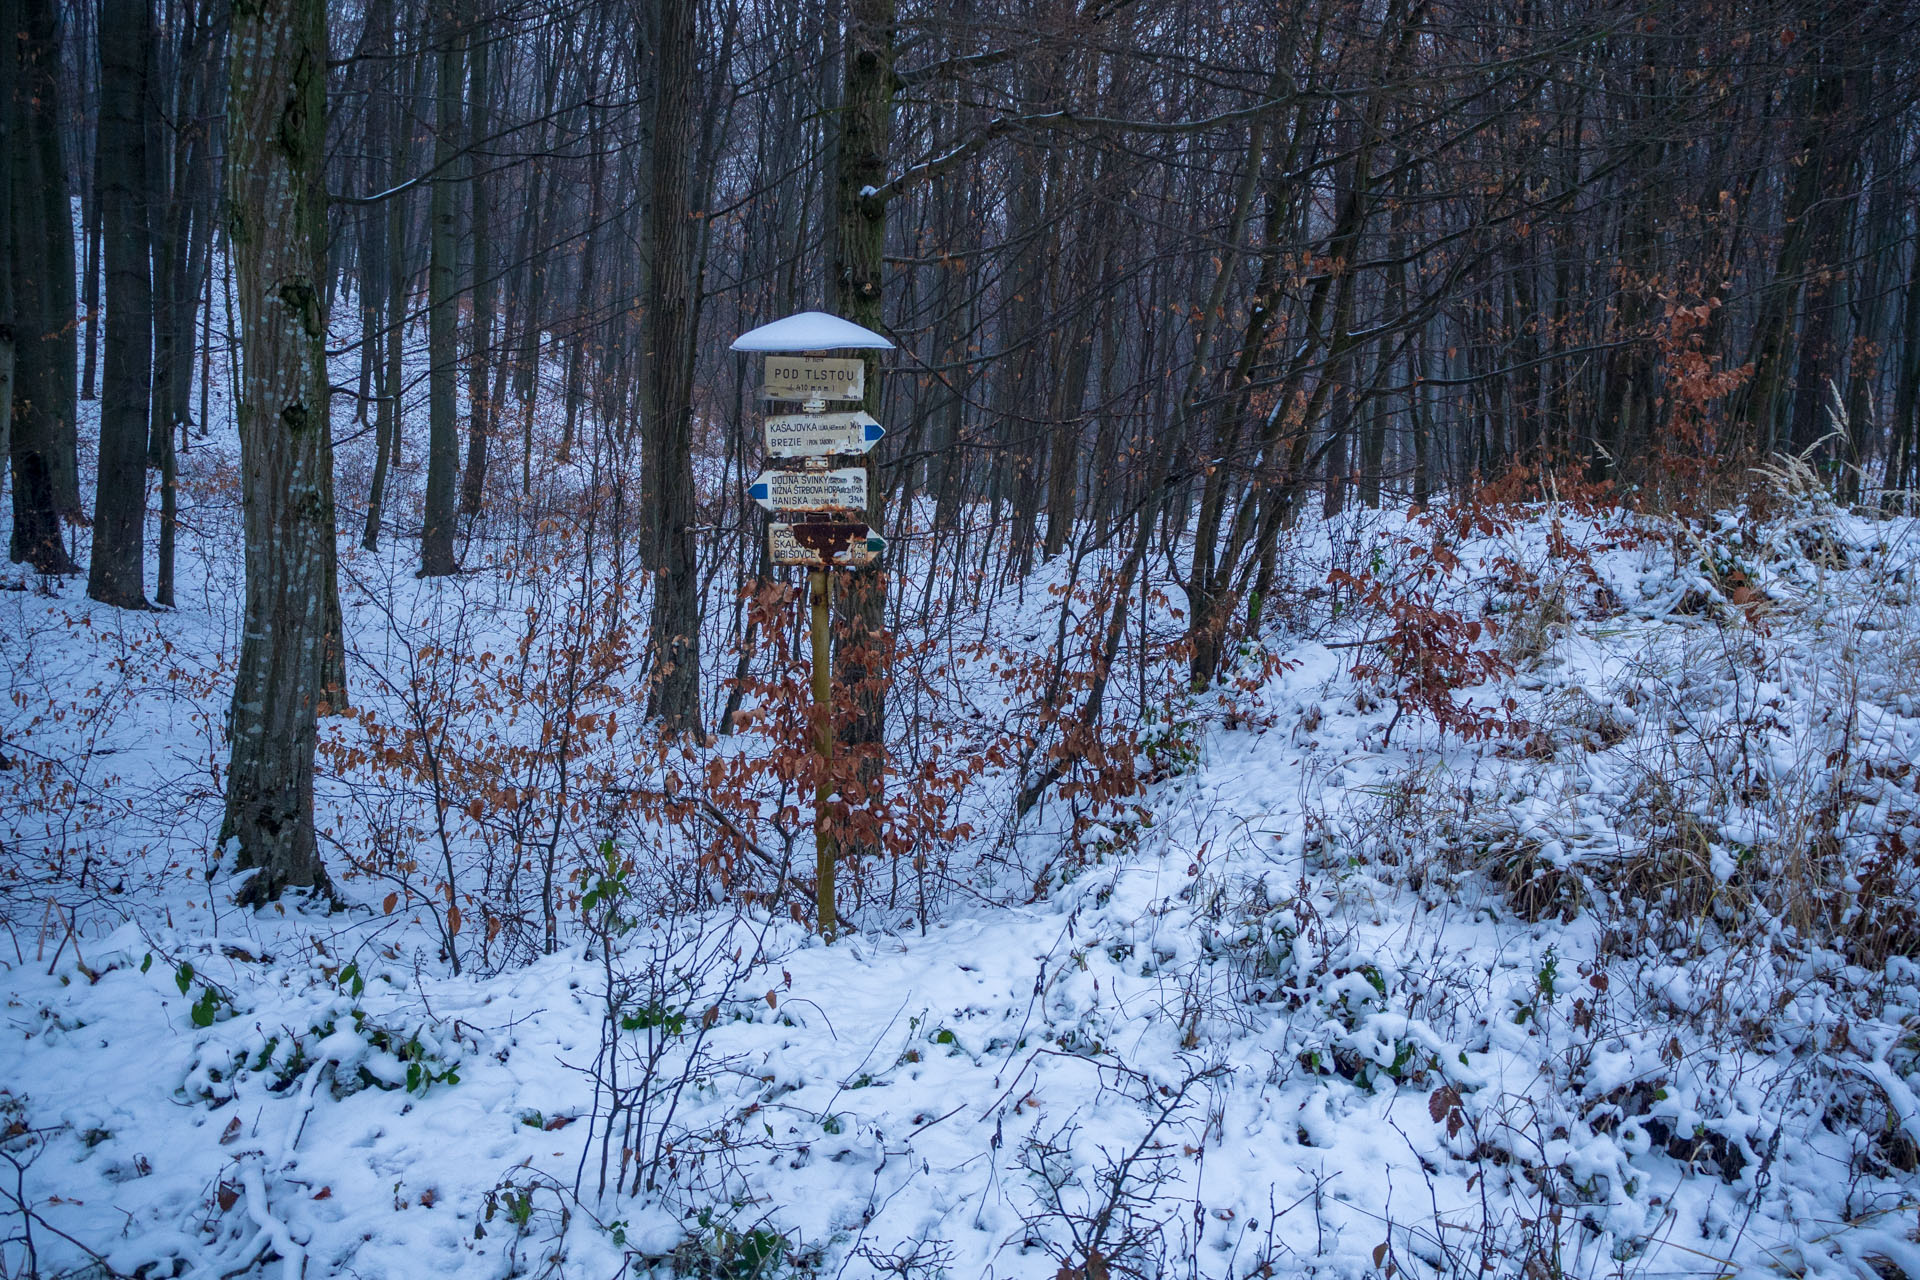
[{"x": 813, "y": 435}]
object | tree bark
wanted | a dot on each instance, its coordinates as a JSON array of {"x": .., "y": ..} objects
[
  {"x": 90, "y": 283},
  {"x": 9, "y": 313},
  {"x": 480, "y": 406},
  {"x": 42, "y": 446},
  {"x": 667, "y": 451},
  {"x": 276, "y": 213},
  {"x": 860, "y": 654},
  {"x": 443, "y": 435},
  {"x": 381, "y": 287},
  {"x": 115, "y": 574}
]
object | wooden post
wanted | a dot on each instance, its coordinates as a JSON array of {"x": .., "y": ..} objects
[{"x": 826, "y": 847}]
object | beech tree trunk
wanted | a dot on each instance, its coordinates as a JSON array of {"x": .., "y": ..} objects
[
  {"x": 383, "y": 283},
  {"x": 9, "y": 316},
  {"x": 860, "y": 233},
  {"x": 667, "y": 450},
  {"x": 115, "y": 572},
  {"x": 90, "y": 283},
  {"x": 277, "y": 215},
  {"x": 443, "y": 432},
  {"x": 480, "y": 406},
  {"x": 46, "y": 352}
]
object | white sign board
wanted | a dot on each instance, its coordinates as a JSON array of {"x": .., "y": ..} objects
[
  {"x": 805, "y": 435},
  {"x": 844, "y": 488},
  {"x": 811, "y": 378}
]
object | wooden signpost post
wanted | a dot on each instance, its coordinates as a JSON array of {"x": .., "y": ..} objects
[{"x": 818, "y": 508}]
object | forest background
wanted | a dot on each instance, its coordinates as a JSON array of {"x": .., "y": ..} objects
[{"x": 1396, "y": 329}]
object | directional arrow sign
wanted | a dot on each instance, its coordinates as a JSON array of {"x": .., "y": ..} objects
[
  {"x": 842, "y": 489},
  {"x": 860, "y": 546},
  {"x": 801, "y": 435}
]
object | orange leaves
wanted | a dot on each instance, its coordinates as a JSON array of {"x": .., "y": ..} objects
[
  {"x": 392, "y": 900},
  {"x": 1424, "y": 649},
  {"x": 453, "y": 920}
]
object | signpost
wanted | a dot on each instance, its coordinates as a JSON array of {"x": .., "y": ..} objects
[
  {"x": 808, "y": 435},
  {"x": 828, "y": 535},
  {"x": 824, "y": 545},
  {"x": 794, "y": 378},
  {"x": 842, "y": 489}
]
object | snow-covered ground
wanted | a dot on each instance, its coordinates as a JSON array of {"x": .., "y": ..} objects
[{"x": 1614, "y": 975}]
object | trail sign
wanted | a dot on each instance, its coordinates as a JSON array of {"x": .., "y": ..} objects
[
  {"x": 832, "y": 539},
  {"x": 808, "y": 378},
  {"x": 801, "y": 435},
  {"x": 842, "y": 489},
  {"x": 824, "y": 545}
]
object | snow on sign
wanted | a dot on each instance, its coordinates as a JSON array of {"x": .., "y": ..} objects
[
  {"x": 809, "y": 378},
  {"x": 844, "y": 488},
  {"x": 802, "y": 435},
  {"x": 863, "y": 546},
  {"x": 811, "y": 331}
]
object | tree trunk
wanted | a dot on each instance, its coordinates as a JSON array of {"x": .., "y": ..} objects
[
  {"x": 116, "y": 571},
  {"x": 668, "y": 448},
  {"x": 480, "y": 405},
  {"x": 277, "y": 215},
  {"x": 42, "y": 445},
  {"x": 443, "y": 435},
  {"x": 384, "y": 276},
  {"x": 9, "y": 312},
  {"x": 866, "y": 121},
  {"x": 90, "y": 282},
  {"x": 1903, "y": 464}
]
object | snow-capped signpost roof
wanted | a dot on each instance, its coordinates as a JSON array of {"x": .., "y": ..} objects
[{"x": 811, "y": 331}]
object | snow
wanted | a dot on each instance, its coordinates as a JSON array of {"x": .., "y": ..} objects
[
  {"x": 811, "y": 331},
  {"x": 1285, "y": 1012}
]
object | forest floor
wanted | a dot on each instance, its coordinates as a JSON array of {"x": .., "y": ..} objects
[{"x": 1601, "y": 965}]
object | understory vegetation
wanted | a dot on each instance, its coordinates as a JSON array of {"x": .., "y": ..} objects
[{"x": 1535, "y": 897}]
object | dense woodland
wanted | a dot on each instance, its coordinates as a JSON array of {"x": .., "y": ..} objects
[
  {"x": 1160, "y": 275},
  {"x": 1402, "y": 580}
]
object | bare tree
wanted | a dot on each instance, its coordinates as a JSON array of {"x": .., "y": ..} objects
[
  {"x": 443, "y": 433},
  {"x": 115, "y": 571},
  {"x": 40, "y": 258},
  {"x": 670, "y": 328},
  {"x": 290, "y": 645}
]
